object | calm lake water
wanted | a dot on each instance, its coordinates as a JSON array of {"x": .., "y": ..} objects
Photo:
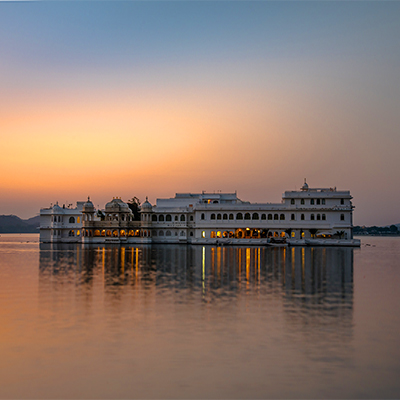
[{"x": 199, "y": 322}]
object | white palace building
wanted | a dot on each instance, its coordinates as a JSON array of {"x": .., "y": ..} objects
[{"x": 309, "y": 216}]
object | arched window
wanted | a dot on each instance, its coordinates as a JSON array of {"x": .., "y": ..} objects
[
  {"x": 292, "y": 217},
  {"x": 115, "y": 233},
  {"x": 96, "y": 232},
  {"x": 191, "y": 218},
  {"x": 161, "y": 233},
  {"x": 312, "y": 201},
  {"x": 176, "y": 218},
  {"x": 263, "y": 216},
  {"x": 203, "y": 216},
  {"x": 168, "y": 218},
  {"x": 212, "y": 216},
  {"x": 302, "y": 217},
  {"x": 71, "y": 233},
  {"x": 161, "y": 218},
  {"x": 154, "y": 218},
  {"x": 323, "y": 217},
  {"x": 282, "y": 217},
  {"x": 247, "y": 216},
  {"x": 269, "y": 216},
  {"x": 292, "y": 201},
  {"x": 276, "y": 216},
  {"x": 154, "y": 233},
  {"x": 312, "y": 217},
  {"x": 255, "y": 216},
  {"x": 219, "y": 234},
  {"x": 71, "y": 220},
  {"x": 225, "y": 216},
  {"x": 183, "y": 218},
  {"x": 239, "y": 216},
  {"x": 219, "y": 216},
  {"x": 191, "y": 233},
  {"x": 168, "y": 233},
  {"x": 318, "y": 217},
  {"x": 122, "y": 233},
  {"x": 230, "y": 216},
  {"x": 182, "y": 233},
  {"x": 213, "y": 235}
]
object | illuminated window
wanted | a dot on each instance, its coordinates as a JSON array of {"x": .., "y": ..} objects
[
  {"x": 225, "y": 216},
  {"x": 282, "y": 216},
  {"x": 96, "y": 232},
  {"x": 79, "y": 220},
  {"x": 131, "y": 232},
  {"x": 255, "y": 216},
  {"x": 168, "y": 217},
  {"x": 292, "y": 217},
  {"x": 213, "y": 235},
  {"x": 292, "y": 201},
  {"x": 203, "y": 216},
  {"x": 154, "y": 218},
  {"x": 269, "y": 216},
  {"x": 122, "y": 233},
  {"x": 218, "y": 234},
  {"x": 78, "y": 233},
  {"x": 312, "y": 217},
  {"x": 302, "y": 217},
  {"x": 71, "y": 220},
  {"x": 302, "y": 234},
  {"x": 293, "y": 234},
  {"x": 276, "y": 216},
  {"x": 247, "y": 216},
  {"x": 239, "y": 216},
  {"x": 115, "y": 233},
  {"x": 230, "y": 216},
  {"x": 219, "y": 216},
  {"x": 311, "y": 201},
  {"x": 203, "y": 234},
  {"x": 323, "y": 217},
  {"x": 71, "y": 233},
  {"x": 342, "y": 217},
  {"x": 212, "y": 216},
  {"x": 103, "y": 232}
]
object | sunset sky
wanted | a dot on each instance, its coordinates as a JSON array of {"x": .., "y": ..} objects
[{"x": 152, "y": 98}]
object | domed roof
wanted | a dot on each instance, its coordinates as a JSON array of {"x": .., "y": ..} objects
[
  {"x": 88, "y": 206},
  {"x": 305, "y": 185},
  {"x": 117, "y": 205},
  {"x": 56, "y": 208},
  {"x": 146, "y": 205}
]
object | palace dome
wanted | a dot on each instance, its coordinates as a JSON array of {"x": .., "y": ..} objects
[
  {"x": 88, "y": 206},
  {"x": 305, "y": 185},
  {"x": 117, "y": 205},
  {"x": 56, "y": 208},
  {"x": 146, "y": 206}
]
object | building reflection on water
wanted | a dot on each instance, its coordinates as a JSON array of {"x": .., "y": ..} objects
[{"x": 305, "y": 277}]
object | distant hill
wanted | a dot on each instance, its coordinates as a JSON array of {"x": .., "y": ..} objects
[{"x": 14, "y": 224}]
